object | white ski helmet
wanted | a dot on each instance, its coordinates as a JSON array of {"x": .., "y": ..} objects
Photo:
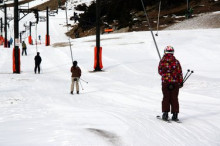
[{"x": 169, "y": 50}]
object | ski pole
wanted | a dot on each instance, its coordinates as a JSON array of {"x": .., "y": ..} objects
[
  {"x": 84, "y": 80},
  {"x": 41, "y": 69},
  {"x": 188, "y": 76},
  {"x": 81, "y": 85}
]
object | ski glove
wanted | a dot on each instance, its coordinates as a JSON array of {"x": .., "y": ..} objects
[{"x": 181, "y": 85}]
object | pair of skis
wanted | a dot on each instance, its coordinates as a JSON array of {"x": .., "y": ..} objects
[{"x": 169, "y": 120}]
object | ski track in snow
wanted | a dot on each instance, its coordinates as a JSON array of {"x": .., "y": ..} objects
[{"x": 118, "y": 106}]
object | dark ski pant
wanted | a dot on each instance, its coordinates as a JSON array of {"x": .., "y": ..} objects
[
  {"x": 24, "y": 51},
  {"x": 170, "y": 98},
  {"x": 37, "y": 66}
]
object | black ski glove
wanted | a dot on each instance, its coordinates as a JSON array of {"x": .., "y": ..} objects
[{"x": 181, "y": 85}]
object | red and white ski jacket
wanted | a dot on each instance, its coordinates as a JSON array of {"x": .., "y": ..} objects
[{"x": 170, "y": 69}]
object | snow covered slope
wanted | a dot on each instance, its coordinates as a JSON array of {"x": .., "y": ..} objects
[
  {"x": 202, "y": 21},
  {"x": 117, "y": 106}
]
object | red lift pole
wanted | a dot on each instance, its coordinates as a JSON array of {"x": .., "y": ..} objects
[
  {"x": 30, "y": 37},
  {"x": 47, "y": 43},
  {"x": 98, "y": 50},
  {"x": 16, "y": 50}
]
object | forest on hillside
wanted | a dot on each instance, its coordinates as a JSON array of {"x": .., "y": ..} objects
[{"x": 118, "y": 10}]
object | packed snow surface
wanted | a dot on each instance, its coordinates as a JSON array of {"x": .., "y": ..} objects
[
  {"x": 202, "y": 21},
  {"x": 119, "y": 105}
]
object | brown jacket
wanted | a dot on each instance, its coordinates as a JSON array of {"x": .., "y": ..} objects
[{"x": 76, "y": 71}]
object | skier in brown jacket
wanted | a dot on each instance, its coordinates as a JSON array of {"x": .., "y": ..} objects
[{"x": 76, "y": 73}]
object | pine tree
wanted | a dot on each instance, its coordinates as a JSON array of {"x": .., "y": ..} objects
[{"x": 119, "y": 10}]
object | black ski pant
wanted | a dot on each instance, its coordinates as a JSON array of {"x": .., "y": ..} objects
[
  {"x": 37, "y": 66},
  {"x": 170, "y": 98},
  {"x": 24, "y": 51}
]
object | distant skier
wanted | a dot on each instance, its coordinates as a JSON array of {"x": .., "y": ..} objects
[
  {"x": 9, "y": 44},
  {"x": 11, "y": 41},
  {"x": 24, "y": 48},
  {"x": 172, "y": 79},
  {"x": 38, "y": 60},
  {"x": 76, "y": 73},
  {"x": 39, "y": 37}
]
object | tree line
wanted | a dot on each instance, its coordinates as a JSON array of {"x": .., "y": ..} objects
[{"x": 118, "y": 10}]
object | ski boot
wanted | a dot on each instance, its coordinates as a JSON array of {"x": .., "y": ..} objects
[
  {"x": 165, "y": 116},
  {"x": 71, "y": 92},
  {"x": 77, "y": 92},
  {"x": 175, "y": 117}
]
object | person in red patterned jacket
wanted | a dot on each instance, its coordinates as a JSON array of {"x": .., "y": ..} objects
[{"x": 172, "y": 79}]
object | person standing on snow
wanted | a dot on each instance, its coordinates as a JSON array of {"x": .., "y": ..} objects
[
  {"x": 39, "y": 37},
  {"x": 76, "y": 74},
  {"x": 38, "y": 60},
  {"x": 11, "y": 41},
  {"x": 172, "y": 79},
  {"x": 24, "y": 48}
]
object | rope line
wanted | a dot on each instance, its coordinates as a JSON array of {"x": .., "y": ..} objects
[
  {"x": 151, "y": 29},
  {"x": 69, "y": 36},
  {"x": 36, "y": 38},
  {"x": 158, "y": 19}
]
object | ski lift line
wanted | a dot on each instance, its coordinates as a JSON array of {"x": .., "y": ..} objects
[
  {"x": 151, "y": 29},
  {"x": 69, "y": 36},
  {"x": 36, "y": 37},
  {"x": 158, "y": 19}
]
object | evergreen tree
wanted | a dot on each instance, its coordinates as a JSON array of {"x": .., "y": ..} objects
[{"x": 120, "y": 10}]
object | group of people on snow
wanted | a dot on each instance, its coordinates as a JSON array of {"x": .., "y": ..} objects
[
  {"x": 172, "y": 80},
  {"x": 8, "y": 43},
  {"x": 169, "y": 68},
  {"x": 37, "y": 58}
]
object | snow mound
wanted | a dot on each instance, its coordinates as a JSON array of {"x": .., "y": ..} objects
[{"x": 203, "y": 21}]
